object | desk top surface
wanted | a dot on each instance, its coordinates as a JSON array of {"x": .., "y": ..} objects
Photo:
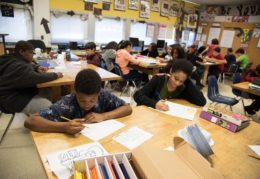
[
  {"x": 210, "y": 63},
  {"x": 244, "y": 86},
  {"x": 71, "y": 69},
  {"x": 231, "y": 149}
]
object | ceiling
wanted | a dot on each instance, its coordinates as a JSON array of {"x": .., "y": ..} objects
[{"x": 224, "y": 2}]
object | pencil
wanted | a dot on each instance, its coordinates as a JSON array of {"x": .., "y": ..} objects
[{"x": 67, "y": 119}]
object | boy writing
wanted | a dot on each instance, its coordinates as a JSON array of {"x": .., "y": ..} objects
[{"x": 88, "y": 104}]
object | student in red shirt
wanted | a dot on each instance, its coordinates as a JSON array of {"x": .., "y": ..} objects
[
  {"x": 210, "y": 48},
  {"x": 92, "y": 56},
  {"x": 216, "y": 57}
]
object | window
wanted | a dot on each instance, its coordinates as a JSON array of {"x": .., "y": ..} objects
[
  {"x": 108, "y": 29},
  {"x": 65, "y": 28},
  {"x": 188, "y": 37},
  {"x": 139, "y": 30},
  {"x": 18, "y": 27}
]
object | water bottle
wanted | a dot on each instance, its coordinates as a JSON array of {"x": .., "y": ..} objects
[{"x": 68, "y": 56}]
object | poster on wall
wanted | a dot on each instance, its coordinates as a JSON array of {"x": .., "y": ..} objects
[
  {"x": 88, "y": 6},
  {"x": 227, "y": 38},
  {"x": 145, "y": 9},
  {"x": 155, "y": 5},
  {"x": 119, "y": 5},
  {"x": 106, "y": 6},
  {"x": 150, "y": 30},
  {"x": 164, "y": 8},
  {"x": 174, "y": 8},
  {"x": 192, "y": 21},
  {"x": 133, "y": 4},
  {"x": 213, "y": 34},
  {"x": 162, "y": 31}
]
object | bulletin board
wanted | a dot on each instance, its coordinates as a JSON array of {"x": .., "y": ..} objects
[{"x": 252, "y": 50}]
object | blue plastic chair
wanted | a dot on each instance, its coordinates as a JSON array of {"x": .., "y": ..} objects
[{"x": 215, "y": 96}]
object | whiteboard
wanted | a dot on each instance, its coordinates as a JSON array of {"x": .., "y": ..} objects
[
  {"x": 227, "y": 38},
  {"x": 213, "y": 34}
]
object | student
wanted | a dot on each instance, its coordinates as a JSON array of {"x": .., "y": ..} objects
[
  {"x": 252, "y": 75},
  {"x": 19, "y": 77},
  {"x": 151, "y": 51},
  {"x": 230, "y": 57},
  {"x": 109, "y": 55},
  {"x": 210, "y": 48},
  {"x": 216, "y": 57},
  {"x": 123, "y": 58},
  {"x": 175, "y": 85},
  {"x": 243, "y": 59},
  {"x": 92, "y": 56},
  {"x": 177, "y": 53},
  {"x": 88, "y": 104}
]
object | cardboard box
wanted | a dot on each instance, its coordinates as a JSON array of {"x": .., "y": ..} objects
[{"x": 152, "y": 163}]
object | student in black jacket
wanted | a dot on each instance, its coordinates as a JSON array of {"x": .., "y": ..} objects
[
  {"x": 19, "y": 77},
  {"x": 151, "y": 51},
  {"x": 175, "y": 85}
]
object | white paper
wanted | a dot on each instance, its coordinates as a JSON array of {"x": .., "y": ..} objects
[
  {"x": 258, "y": 45},
  {"x": 170, "y": 149},
  {"x": 186, "y": 35},
  {"x": 256, "y": 32},
  {"x": 213, "y": 34},
  {"x": 61, "y": 163},
  {"x": 162, "y": 32},
  {"x": 183, "y": 133},
  {"x": 198, "y": 37},
  {"x": 203, "y": 37},
  {"x": 133, "y": 137},
  {"x": 100, "y": 130},
  {"x": 200, "y": 30},
  {"x": 179, "y": 110},
  {"x": 169, "y": 33},
  {"x": 255, "y": 148},
  {"x": 227, "y": 38},
  {"x": 150, "y": 30}
]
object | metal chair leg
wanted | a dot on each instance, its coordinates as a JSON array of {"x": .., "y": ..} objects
[
  {"x": 126, "y": 87},
  {"x": 230, "y": 107},
  {"x": 7, "y": 127},
  {"x": 243, "y": 105}
]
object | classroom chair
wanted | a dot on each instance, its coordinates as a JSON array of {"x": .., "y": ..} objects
[
  {"x": 238, "y": 93},
  {"x": 129, "y": 82},
  {"x": 215, "y": 96},
  {"x": 233, "y": 68}
]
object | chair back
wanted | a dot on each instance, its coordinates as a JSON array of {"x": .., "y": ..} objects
[
  {"x": 118, "y": 70},
  {"x": 232, "y": 69},
  {"x": 38, "y": 44},
  {"x": 236, "y": 79},
  {"x": 212, "y": 87}
]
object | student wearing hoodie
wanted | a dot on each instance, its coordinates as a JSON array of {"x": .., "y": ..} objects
[{"x": 19, "y": 77}]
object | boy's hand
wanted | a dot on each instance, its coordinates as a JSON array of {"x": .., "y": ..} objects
[
  {"x": 74, "y": 126},
  {"x": 94, "y": 117},
  {"x": 42, "y": 69}
]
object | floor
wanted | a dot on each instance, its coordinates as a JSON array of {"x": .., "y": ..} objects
[{"x": 19, "y": 157}]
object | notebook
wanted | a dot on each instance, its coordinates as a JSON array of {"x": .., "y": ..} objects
[{"x": 48, "y": 63}]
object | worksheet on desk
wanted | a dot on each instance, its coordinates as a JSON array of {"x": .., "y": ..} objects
[
  {"x": 133, "y": 137},
  {"x": 179, "y": 110},
  {"x": 97, "y": 131},
  {"x": 61, "y": 162}
]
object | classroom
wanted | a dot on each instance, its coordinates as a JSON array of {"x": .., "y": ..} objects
[{"x": 127, "y": 89}]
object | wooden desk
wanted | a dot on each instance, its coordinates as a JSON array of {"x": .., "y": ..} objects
[
  {"x": 147, "y": 67},
  {"x": 70, "y": 70},
  {"x": 206, "y": 72},
  {"x": 244, "y": 86},
  {"x": 3, "y": 41},
  {"x": 231, "y": 149}
]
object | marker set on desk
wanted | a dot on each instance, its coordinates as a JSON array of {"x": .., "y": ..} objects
[{"x": 105, "y": 167}]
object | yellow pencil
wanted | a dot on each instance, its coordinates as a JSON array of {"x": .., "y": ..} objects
[{"x": 67, "y": 119}]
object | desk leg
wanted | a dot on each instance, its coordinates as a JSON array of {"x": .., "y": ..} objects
[
  {"x": 56, "y": 93},
  {"x": 206, "y": 72}
]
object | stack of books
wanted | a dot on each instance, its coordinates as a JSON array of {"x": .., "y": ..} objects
[{"x": 226, "y": 119}]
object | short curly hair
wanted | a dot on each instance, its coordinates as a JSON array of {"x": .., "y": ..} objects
[
  {"x": 88, "y": 82},
  {"x": 182, "y": 65}
]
